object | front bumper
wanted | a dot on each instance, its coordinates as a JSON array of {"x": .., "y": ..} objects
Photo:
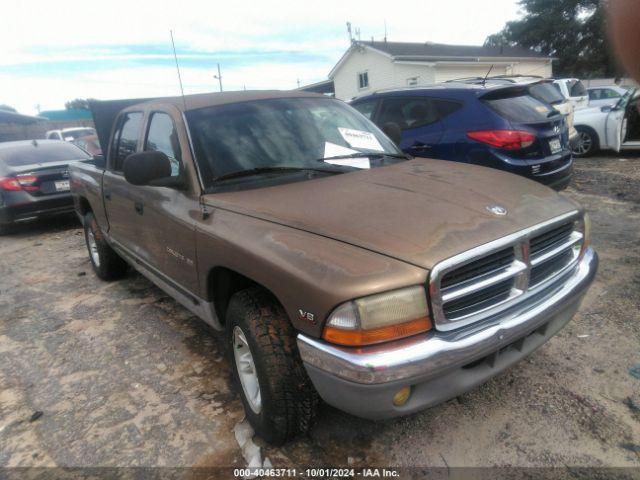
[{"x": 440, "y": 365}]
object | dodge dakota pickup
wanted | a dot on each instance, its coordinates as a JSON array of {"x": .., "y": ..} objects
[{"x": 337, "y": 266}]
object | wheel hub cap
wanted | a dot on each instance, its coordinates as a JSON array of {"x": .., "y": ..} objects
[{"x": 246, "y": 370}]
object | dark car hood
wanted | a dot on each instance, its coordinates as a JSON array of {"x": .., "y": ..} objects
[{"x": 419, "y": 211}]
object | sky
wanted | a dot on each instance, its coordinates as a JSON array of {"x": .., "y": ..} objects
[{"x": 122, "y": 48}]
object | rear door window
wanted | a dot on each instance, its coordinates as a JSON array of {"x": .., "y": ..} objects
[
  {"x": 410, "y": 113},
  {"x": 519, "y": 107},
  {"x": 366, "y": 107},
  {"x": 125, "y": 140}
]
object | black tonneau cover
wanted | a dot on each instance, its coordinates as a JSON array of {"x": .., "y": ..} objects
[{"x": 104, "y": 113}]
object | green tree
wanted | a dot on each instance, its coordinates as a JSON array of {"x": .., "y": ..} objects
[
  {"x": 78, "y": 103},
  {"x": 573, "y": 31}
]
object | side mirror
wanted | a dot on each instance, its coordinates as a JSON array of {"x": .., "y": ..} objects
[
  {"x": 606, "y": 108},
  {"x": 144, "y": 168},
  {"x": 393, "y": 132}
]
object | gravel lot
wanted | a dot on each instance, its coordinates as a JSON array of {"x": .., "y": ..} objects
[{"x": 124, "y": 376}]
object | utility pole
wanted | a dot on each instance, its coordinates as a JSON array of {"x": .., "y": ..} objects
[{"x": 219, "y": 77}]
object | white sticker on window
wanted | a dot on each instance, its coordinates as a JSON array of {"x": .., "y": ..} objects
[{"x": 360, "y": 139}]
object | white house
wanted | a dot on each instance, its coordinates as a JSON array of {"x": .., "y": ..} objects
[{"x": 370, "y": 66}]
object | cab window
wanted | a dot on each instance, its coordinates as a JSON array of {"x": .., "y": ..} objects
[
  {"x": 163, "y": 137},
  {"x": 125, "y": 140}
]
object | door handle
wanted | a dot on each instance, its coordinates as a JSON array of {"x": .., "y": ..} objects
[
  {"x": 420, "y": 147},
  {"x": 107, "y": 195},
  {"x": 139, "y": 206}
]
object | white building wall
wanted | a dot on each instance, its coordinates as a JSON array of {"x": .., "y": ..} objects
[
  {"x": 534, "y": 67},
  {"x": 451, "y": 72},
  {"x": 383, "y": 73}
]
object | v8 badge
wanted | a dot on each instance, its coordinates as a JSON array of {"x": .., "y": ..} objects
[{"x": 308, "y": 316}]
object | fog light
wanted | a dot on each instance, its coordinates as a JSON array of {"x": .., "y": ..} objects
[{"x": 402, "y": 396}]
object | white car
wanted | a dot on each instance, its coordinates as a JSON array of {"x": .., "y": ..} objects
[
  {"x": 609, "y": 128},
  {"x": 69, "y": 134},
  {"x": 573, "y": 90},
  {"x": 605, "y": 96}
]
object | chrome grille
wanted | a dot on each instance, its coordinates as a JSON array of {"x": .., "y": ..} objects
[{"x": 486, "y": 280}]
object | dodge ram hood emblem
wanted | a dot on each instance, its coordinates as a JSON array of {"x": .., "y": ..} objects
[{"x": 497, "y": 210}]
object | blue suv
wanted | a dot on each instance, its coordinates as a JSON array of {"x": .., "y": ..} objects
[{"x": 499, "y": 126}]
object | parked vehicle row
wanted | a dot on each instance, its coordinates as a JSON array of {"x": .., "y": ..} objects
[
  {"x": 490, "y": 122},
  {"x": 337, "y": 265},
  {"x": 34, "y": 179}
]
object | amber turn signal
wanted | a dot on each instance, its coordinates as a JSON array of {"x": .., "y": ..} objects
[{"x": 356, "y": 338}]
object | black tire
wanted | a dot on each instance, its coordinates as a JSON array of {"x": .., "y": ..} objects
[
  {"x": 6, "y": 229},
  {"x": 288, "y": 399},
  {"x": 109, "y": 265},
  {"x": 587, "y": 144}
]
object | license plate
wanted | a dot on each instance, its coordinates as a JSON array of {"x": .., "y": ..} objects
[
  {"x": 62, "y": 186},
  {"x": 555, "y": 145}
]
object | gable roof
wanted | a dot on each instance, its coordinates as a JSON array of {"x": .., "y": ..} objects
[
  {"x": 433, "y": 51},
  {"x": 427, "y": 51}
]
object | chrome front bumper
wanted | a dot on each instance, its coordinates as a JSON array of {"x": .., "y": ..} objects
[{"x": 348, "y": 378}]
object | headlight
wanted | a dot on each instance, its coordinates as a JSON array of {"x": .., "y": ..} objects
[
  {"x": 584, "y": 226},
  {"x": 379, "y": 318}
]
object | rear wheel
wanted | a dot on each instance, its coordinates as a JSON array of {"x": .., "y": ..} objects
[
  {"x": 587, "y": 142},
  {"x": 106, "y": 263},
  {"x": 278, "y": 397}
]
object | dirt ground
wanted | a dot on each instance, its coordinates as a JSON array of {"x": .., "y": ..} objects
[{"x": 118, "y": 374}]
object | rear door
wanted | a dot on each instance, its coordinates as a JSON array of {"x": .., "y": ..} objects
[{"x": 120, "y": 200}]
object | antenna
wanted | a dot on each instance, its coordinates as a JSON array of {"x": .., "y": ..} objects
[
  {"x": 385, "y": 31},
  {"x": 487, "y": 75},
  {"x": 349, "y": 31},
  {"x": 184, "y": 102}
]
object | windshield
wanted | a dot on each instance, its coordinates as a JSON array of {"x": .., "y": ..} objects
[
  {"x": 281, "y": 132},
  {"x": 546, "y": 93},
  {"x": 75, "y": 134}
]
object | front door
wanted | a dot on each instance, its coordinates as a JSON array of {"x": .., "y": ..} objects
[{"x": 167, "y": 240}]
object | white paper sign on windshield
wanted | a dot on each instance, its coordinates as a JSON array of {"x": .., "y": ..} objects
[
  {"x": 333, "y": 150},
  {"x": 360, "y": 139}
]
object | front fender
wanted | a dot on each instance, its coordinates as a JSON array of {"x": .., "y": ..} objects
[{"x": 304, "y": 271}]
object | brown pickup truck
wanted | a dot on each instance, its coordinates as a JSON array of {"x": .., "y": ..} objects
[{"x": 336, "y": 265}]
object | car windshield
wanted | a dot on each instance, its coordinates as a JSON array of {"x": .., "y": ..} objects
[
  {"x": 546, "y": 93},
  {"x": 281, "y": 135},
  {"x": 75, "y": 134},
  {"x": 41, "y": 153}
]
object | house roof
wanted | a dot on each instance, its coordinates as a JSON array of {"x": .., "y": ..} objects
[
  {"x": 440, "y": 52},
  {"x": 7, "y": 116},
  {"x": 437, "y": 51}
]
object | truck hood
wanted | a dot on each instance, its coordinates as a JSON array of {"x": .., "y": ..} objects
[{"x": 420, "y": 211}]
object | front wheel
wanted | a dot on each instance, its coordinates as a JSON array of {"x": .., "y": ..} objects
[
  {"x": 586, "y": 144},
  {"x": 106, "y": 263},
  {"x": 278, "y": 397}
]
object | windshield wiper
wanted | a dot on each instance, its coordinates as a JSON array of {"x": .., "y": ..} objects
[
  {"x": 260, "y": 170},
  {"x": 367, "y": 155}
]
